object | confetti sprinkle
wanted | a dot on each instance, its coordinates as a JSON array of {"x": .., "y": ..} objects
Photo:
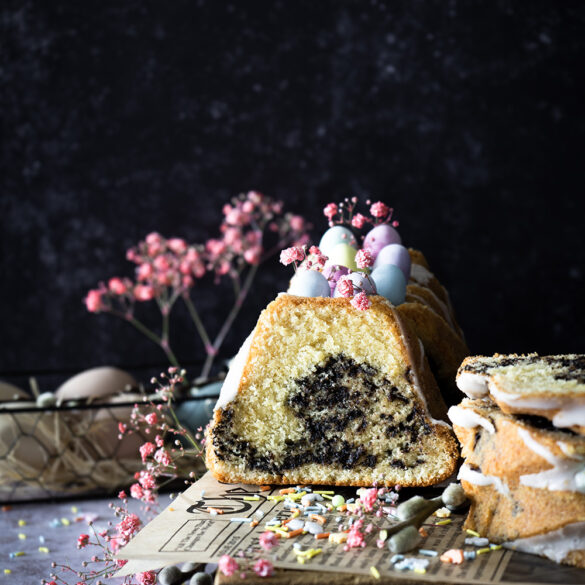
[
  {"x": 428, "y": 553},
  {"x": 443, "y": 522},
  {"x": 374, "y": 572},
  {"x": 473, "y": 533},
  {"x": 44, "y": 549},
  {"x": 22, "y": 536},
  {"x": 22, "y": 522}
]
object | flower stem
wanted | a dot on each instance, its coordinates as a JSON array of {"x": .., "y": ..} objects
[
  {"x": 197, "y": 320},
  {"x": 152, "y": 336},
  {"x": 229, "y": 320}
]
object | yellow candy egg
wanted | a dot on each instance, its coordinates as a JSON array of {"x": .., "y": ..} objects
[{"x": 344, "y": 255}]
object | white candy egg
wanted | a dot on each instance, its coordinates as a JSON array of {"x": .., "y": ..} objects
[{"x": 95, "y": 383}]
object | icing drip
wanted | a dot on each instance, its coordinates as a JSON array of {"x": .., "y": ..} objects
[
  {"x": 420, "y": 274},
  {"x": 555, "y": 545},
  {"x": 477, "y": 478},
  {"x": 474, "y": 385},
  {"x": 232, "y": 380},
  {"x": 565, "y": 474},
  {"x": 570, "y": 412},
  {"x": 469, "y": 419}
]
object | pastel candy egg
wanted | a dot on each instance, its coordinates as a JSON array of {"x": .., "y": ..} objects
[
  {"x": 333, "y": 273},
  {"x": 362, "y": 282},
  {"x": 380, "y": 236},
  {"x": 390, "y": 283},
  {"x": 344, "y": 255},
  {"x": 336, "y": 235},
  {"x": 309, "y": 283},
  {"x": 395, "y": 254}
]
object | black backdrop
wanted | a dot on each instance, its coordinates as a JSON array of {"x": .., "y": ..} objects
[{"x": 120, "y": 118}]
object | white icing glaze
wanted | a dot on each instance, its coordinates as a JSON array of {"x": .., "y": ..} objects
[
  {"x": 232, "y": 380},
  {"x": 474, "y": 385},
  {"x": 562, "y": 476},
  {"x": 420, "y": 364},
  {"x": 570, "y": 411},
  {"x": 420, "y": 274},
  {"x": 477, "y": 478},
  {"x": 469, "y": 419},
  {"x": 555, "y": 545}
]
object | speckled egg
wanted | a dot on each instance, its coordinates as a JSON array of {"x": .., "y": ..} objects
[
  {"x": 390, "y": 283},
  {"x": 95, "y": 383},
  {"x": 380, "y": 236},
  {"x": 309, "y": 283},
  {"x": 361, "y": 281},
  {"x": 344, "y": 255},
  {"x": 336, "y": 235},
  {"x": 395, "y": 254}
]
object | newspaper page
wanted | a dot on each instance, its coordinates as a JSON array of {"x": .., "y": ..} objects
[{"x": 187, "y": 531}]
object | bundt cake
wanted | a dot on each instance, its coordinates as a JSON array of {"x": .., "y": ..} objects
[
  {"x": 552, "y": 387},
  {"x": 525, "y": 479},
  {"x": 322, "y": 392},
  {"x": 428, "y": 311}
]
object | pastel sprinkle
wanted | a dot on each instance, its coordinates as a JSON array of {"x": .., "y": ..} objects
[
  {"x": 43, "y": 549},
  {"x": 7, "y": 571},
  {"x": 16, "y": 554},
  {"x": 42, "y": 539},
  {"x": 477, "y": 541},
  {"x": 495, "y": 546},
  {"x": 443, "y": 522},
  {"x": 374, "y": 572},
  {"x": 469, "y": 555},
  {"x": 324, "y": 492},
  {"x": 454, "y": 556},
  {"x": 428, "y": 553},
  {"x": 443, "y": 513},
  {"x": 251, "y": 498},
  {"x": 473, "y": 533},
  {"x": 22, "y": 536},
  {"x": 74, "y": 509},
  {"x": 338, "y": 537},
  {"x": 240, "y": 519},
  {"x": 22, "y": 522},
  {"x": 396, "y": 558},
  {"x": 65, "y": 521},
  {"x": 482, "y": 551}
]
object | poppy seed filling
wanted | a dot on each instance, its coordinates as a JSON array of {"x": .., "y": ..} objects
[{"x": 337, "y": 403}]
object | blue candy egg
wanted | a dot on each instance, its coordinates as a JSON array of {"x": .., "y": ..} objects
[
  {"x": 380, "y": 236},
  {"x": 361, "y": 282},
  {"x": 390, "y": 283},
  {"x": 309, "y": 283},
  {"x": 395, "y": 254},
  {"x": 336, "y": 235}
]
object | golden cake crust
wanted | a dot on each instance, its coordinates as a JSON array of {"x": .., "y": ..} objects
[{"x": 379, "y": 325}]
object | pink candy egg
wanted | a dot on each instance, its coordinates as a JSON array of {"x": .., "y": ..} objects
[{"x": 380, "y": 236}]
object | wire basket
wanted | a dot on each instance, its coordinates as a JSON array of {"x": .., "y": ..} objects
[{"x": 68, "y": 451}]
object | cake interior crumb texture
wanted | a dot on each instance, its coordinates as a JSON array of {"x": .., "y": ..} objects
[{"x": 328, "y": 394}]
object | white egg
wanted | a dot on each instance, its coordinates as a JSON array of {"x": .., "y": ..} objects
[{"x": 95, "y": 383}]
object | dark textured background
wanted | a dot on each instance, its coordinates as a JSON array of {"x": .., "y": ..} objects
[{"x": 120, "y": 118}]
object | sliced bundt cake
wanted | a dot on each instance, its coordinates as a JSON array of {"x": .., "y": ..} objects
[
  {"x": 549, "y": 386},
  {"x": 322, "y": 392}
]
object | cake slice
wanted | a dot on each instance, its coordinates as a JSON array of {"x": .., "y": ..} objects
[
  {"x": 549, "y": 386},
  {"x": 525, "y": 480},
  {"x": 324, "y": 393}
]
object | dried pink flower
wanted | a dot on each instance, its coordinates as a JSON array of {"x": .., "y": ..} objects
[
  {"x": 293, "y": 254},
  {"x": 379, "y": 210},
  {"x": 263, "y": 568},
  {"x": 268, "y": 540},
  {"x": 146, "y": 450},
  {"x": 151, "y": 418},
  {"x": 345, "y": 287},
  {"x": 162, "y": 457},
  {"x": 361, "y": 301},
  {"x": 227, "y": 565},
  {"x": 117, "y": 286},
  {"x": 330, "y": 211},
  {"x": 82, "y": 540},
  {"x": 136, "y": 491},
  {"x": 93, "y": 301},
  {"x": 358, "y": 221},
  {"x": 368, "y": 498},
  {"x": 364, "y": 258},
  {"x": 146, "y": 578},
  {"x": 143, "y": 292}
]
